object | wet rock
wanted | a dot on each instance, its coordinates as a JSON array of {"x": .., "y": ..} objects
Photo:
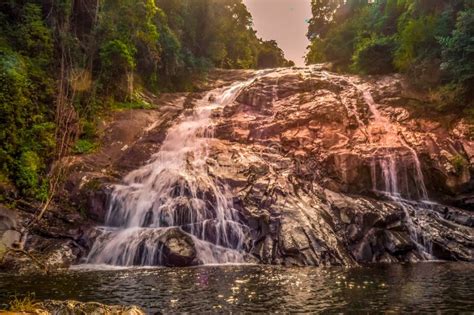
[
  {"x": 97, "y": 202},
  {"x": 323, "y": 169},
  {"x": 59, "y": 256},
  {"x": 362, "y": 251},
  {"x": 177, "y": 249},
  {"x": 397, "y": 243},
  {"x": 354, "y": 144},
  {"x": 9, "y": 236}
]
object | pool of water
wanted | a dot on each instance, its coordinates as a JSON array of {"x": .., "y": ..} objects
[{"x": 424, "y": 287}]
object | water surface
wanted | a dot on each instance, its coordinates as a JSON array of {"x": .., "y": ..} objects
[{"x": 424, "y": 287}]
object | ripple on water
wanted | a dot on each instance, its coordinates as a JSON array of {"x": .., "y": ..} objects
[{"x": 424, "y": 287}]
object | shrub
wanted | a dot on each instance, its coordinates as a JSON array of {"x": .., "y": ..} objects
[
  {"x": 117, "y": 56},
  {"x": 416, "y": 39},
  {"x": 450, "y": 96},
  {"x": 339, "y": 44},
  {"x": 138, "y": 104},
  {"x": 117, "y": 60},
  {"x": 29, "y": 170},
  {"x": 84, "y": 146},
  {"x": 374, "y": 56},
  {"x": 25, "y": 304},
  {"x": 89, "y": 130},
  {"x": 459, "y": 163},
  {"x": 458, "y": 50},
  {"x": 315, "y": 52}
]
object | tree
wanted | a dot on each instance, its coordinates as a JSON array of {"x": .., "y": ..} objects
[
  {"x": 270, "y": 55},
  {"x": 458, "y": 50}
]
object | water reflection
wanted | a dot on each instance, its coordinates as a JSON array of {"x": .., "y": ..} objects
[{"x": 423, "y": 287}]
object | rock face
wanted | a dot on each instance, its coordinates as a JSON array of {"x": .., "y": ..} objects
[
  {"x": 329, "y": 169},
  {"x": 50, "y": 244},
  {"x": 322, "y": 169},
  {"x": 333, "y": 169}
]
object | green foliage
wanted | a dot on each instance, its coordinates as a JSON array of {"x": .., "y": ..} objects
[
  {"x": 315, "y": 52},
  {"x": 217, "y": 32},
  {"x": 374, "y": 56},
  {"x": 26, "y": 90},
  {"x": 118, "y": 62},
  {"x": 138, "y": 104},
  {"x": 84, "y": 146},
  {"x": 89, "y": 130},
  {"x": 33, "y": 37},
  {"x": 271, "y": 56},
  {"x": 458, "y": 49},
  {"x": 323, "y": 15},
  {"x": 29, "y": 170},
  {"x": 87, "y": 142},
  {"x": 449, "y": 96},
  {"x": 339, "y": 44},
  {"x": 431, "y": 40},
  {"x": 459, "y": 163},
  {"x": 117, "y": 58},
  {"x": 109, "y": 51},
  {"x": 416, "y": 38}
]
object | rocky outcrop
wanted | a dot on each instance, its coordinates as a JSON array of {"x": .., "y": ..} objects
[
  {"x": 329, "y": 169},
  {"x": 324, "y": 169},
  {"x": 47, "y": 245},
  {"x": 332, "y": 169},
  {"x": 177, "y": 249}
]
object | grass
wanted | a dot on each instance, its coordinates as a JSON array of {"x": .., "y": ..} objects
[
  {"x": 84, "y": 146},
  {"x": 25, "y": 304},
  {"x": 131, "y": 105},
  {"x": 458, "y": 163}
]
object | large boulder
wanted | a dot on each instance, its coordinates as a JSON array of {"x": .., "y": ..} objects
[
  {"x": 177, "y": 249},
  {"x": 9, "y": 234}
]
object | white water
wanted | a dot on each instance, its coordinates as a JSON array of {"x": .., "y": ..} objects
[
  {"x": 389, "y": 162},
  {"x": 388, "y": 166},
  {"x": 173, "y": 191}
]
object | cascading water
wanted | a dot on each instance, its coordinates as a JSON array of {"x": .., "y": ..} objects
[
  {"x": 175, "y": 191},
  {"x": 388, "y": 165},
  {"x": 395, "y": 166}
]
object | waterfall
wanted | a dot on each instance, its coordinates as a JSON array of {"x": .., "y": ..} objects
[
  {"x": 174, "y": 191},
  {"x": 388, "y": 165}
]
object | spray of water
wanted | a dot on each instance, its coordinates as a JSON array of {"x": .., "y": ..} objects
[{"x": 175, "y": 190}]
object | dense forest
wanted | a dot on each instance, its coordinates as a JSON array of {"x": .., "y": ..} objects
[
  {"x": 63, "y": 63},
  {"x": 432, "y": 41}
]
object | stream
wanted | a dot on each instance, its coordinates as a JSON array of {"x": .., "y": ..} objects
[{"x": 423, "y": 287}]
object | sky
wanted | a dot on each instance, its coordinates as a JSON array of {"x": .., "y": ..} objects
[{"x": 284, "y": 21}]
